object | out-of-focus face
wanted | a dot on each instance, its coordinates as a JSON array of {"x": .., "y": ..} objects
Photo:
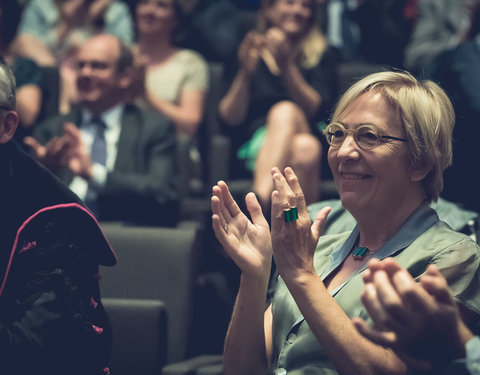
[
  {"x": 155, "y": 16},
  {"x": 99, "y": 82},
  {"x": 292, "y": 16},
  {"x": 377, "y": 180}
]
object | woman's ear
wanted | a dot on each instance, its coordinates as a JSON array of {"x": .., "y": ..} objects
[
  {"x": 420, "y": 172},
  {"x": 8, "y": 126}
]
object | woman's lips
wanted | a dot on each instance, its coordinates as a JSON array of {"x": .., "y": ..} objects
[{"x": 353, "y": 176}]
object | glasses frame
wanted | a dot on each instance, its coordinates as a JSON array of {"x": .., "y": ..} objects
[{"x": 380, "y": 136}]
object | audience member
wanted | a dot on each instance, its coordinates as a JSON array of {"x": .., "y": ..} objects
[
  {"x": 419, "y": 321},
  {"x": 117, "y": 157},
  {"x": 440, "y": 26},
  {"x": 445, "y": 47},
  {"x": 374, "y": 31},
  {"x": 26, "y": 71},
  {"x": 51, "y": 317},
  {"x": 282, "y": 84},
  {"x": 214, "y": 28},
  {"x": 385, "y": 122},
  {"x": 171, "y": 80},
  {"x": 51, "y": 32}
]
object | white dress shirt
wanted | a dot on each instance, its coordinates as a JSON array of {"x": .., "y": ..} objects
[{"x": 113, "y": 122}]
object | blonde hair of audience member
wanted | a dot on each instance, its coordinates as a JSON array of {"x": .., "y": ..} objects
[
  {"x": 287, "y": 39},
  {"x": 427, "y": 117},
  {"x": 313, "y": 42}
]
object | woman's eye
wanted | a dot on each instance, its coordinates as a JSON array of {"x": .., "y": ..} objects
[
  {"x": 369, "y": 136},
  {"x": 338, "y": 134}
]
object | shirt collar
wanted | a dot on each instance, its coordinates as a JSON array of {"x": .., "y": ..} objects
[
  {"x": 422, "y": 219},
  {"x": 111, "y": 117}
]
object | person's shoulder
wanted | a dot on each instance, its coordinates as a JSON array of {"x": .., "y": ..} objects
[
  {"x": 59, "y": 119},
  {"x": 441, "y": 236},
  {"x": 149, "y": 119},
  {"x": 117, "y": 8},
  {"x": 190, "y": 56}
]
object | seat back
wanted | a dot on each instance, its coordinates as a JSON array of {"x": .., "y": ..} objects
[
  {"x": 160, "y": 264},
  {"x": 139, "y": 335}
]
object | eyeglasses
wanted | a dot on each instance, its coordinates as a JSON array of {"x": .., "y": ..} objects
[{"x": 366, "y": 136}]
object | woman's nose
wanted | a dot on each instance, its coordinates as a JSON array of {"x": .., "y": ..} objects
[{"x": 349, "y": 148}]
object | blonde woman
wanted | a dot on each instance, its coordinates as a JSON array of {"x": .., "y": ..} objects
[
  {"x": 281, "y": 84},
  {"x": 390, "y": 141}
]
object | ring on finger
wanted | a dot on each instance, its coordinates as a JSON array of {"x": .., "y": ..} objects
[{"x": 290, "y": 215}]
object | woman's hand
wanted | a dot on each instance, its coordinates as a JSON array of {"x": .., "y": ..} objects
[
  {"x": 420, "y": 321},
  {"x": 294, "y": 242},
  {"x": 279, "y": 47},
  {"x": 138, "y": 73},
  {"x": 247, "y": 242},
  {"x": 249, "y": 51}
]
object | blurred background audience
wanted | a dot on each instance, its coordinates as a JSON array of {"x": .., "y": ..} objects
[
  {"x": 27, "y": 73},
  {"x": 51, "y": 31},
  {"x": 170, "y": 80},
  {"x": 117, "y": 157},
  {"x": 445, "y": 47},
  {"x": 279, "y": 86}
]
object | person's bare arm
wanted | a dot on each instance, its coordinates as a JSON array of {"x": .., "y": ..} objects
[
  {"x": 29, "y": 46},
  {"x": 248, "y": 244},
  {"x": 187, "y": 115},
  {"x": 294, "y": 246},
  {"x": 234, "y": 105},
  {"x": 29, "y": 102}
]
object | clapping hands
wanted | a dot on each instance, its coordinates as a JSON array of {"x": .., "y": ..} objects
[
  {"x": 247, "y": 242},
  {"x": 63, "y": 151},
  {"x": 419, "y": 321}
]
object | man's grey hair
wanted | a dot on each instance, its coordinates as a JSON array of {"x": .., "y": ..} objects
[{"x": 7, "y": 86}]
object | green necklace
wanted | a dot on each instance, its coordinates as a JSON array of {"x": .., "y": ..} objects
[{"x": 360, "y": 253}]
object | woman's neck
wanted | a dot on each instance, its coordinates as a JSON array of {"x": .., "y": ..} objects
[
  {"x": 377, "y": 228},
  {"x": 157, "y": 48}
]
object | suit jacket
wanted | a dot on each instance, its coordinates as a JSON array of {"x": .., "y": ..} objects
[{"x": 143, "y": 185}]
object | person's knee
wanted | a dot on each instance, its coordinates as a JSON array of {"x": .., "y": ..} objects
[
  {"x": 284, "y": 115},
  {"x": 306, "y": 151}
]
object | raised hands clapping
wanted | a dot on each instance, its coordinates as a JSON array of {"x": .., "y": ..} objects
[{"x": 247, "y": 242}]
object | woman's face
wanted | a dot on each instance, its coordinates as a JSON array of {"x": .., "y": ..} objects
[
  {"x": 155, "y": 16},
  {"x": 376, "y": 180},
  {"x": 291, "y": 16}
]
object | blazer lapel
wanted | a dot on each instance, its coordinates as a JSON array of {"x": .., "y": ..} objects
[{"x": 129, "y": 139}]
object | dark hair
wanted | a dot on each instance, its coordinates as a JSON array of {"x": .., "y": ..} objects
[
  {"x": 10, "y": 13},
  {"x": 125, "y": 58}
]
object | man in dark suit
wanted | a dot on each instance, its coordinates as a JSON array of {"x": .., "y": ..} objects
[{"x": 117, "y": 157}]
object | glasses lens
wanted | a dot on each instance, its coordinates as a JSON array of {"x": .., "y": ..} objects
[
  {"x": 367, "y": 137},
  {"x": 335, "y": 134}
]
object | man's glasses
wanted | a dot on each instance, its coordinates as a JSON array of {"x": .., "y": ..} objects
[{"x": 366, "y": 136}]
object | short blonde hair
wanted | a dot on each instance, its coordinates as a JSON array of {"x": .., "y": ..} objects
[
  {"x": 313, "y": 43},
  {"x": 427, "y": 117}
]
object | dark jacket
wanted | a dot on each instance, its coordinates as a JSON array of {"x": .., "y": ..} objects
[
  {"x": 51, "y": 316},
  {"x": 143, "y": 185}
]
